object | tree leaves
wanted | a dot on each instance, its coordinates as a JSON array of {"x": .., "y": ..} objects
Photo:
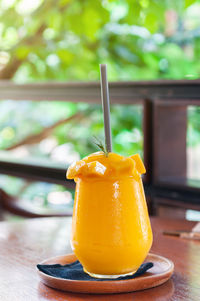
[
  {"x": 189, "y": 2},
  {"x": 22, "y": 52},
  {"x": 84, "y": 33}
]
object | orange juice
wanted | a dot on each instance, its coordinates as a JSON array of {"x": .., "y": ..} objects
[{"x": 111, "y": 231}]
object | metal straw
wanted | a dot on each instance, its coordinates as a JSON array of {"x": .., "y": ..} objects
[{"x": 106, "y": 106}]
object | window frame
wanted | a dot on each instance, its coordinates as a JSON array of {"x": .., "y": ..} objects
[{"x": 150, "y": 94}]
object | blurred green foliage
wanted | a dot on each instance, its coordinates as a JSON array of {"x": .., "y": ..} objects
[
  {"x": 33, "y": 117},
  {"x": 66, "y": 40},
  {"x": 193, "y": 132}
]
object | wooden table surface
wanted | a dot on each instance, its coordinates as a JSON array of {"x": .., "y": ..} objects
[{"x": 24, "y": 244}]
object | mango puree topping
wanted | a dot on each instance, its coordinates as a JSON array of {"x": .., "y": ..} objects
[{"x": 98, "y": 165}]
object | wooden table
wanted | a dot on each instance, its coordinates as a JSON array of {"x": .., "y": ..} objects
[{"x": 23, "y": 244}]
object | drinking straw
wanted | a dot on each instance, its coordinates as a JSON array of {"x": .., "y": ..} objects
[{"x": 106, "y": 106}]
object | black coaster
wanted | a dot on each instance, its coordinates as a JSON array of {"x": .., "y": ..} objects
[{"x": 74, "y": 271}]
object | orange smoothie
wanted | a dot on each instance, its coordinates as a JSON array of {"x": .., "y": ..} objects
[{"x": 111, "y": 231}]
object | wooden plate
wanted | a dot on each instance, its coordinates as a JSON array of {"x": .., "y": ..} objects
[{"x": 158, "y": 274}]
